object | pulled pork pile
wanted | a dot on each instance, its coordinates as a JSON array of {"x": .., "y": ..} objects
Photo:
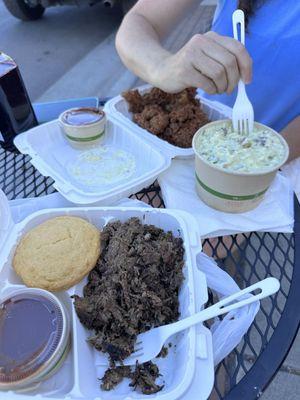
[
  {"x": 133, "y": 288},
  {"x": 172, "y": 117}
]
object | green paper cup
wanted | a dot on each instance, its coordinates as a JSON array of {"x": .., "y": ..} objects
[{"x": 233, "y": 192}]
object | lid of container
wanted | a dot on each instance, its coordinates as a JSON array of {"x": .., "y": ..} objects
[
  {"x": 5, "y": 218},
  {"x": 79, "y": 176},
  {"x": 31, "y": 329}
]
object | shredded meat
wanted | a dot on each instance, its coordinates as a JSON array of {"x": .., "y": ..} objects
[
  {"x": 113, "y": 376},
  {"x": 144, "y": 377},
  {"x": 172, "y": 117},
  {"x": 133, "y": 288}
]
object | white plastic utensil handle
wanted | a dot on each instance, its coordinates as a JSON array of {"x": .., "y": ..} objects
[
  {"x": 238, "y": 17},
  {"x": 242, "y": 113},
  {"x": 267, "y": 286}
]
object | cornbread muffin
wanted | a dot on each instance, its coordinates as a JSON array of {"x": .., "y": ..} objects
[{"x": 58, "y": 253}]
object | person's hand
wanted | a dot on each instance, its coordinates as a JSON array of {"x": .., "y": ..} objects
[{"x": 211, "y": 62}]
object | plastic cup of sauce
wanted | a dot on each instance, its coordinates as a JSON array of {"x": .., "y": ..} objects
[
  {"x": 34, "y": 337},
  {"x": 83, "y": 127}
]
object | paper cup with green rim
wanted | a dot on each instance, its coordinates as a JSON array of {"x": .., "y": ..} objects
[
  {"x": 231, "y": 191},
  {"x": 83, "y": 127}
]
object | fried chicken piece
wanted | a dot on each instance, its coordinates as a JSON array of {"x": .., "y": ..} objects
[
  {"x": 153, "y": 118},
  {"x": 134, "y": 100},
  {"x": 157, "y": 97},
  {"x": 151, "y": 111},
  {"x": 185, "y": 97},
  {"x": 184, "y": 122},
  {"x": 172, "y": 117}
]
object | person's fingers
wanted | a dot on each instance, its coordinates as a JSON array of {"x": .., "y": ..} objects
[
  {"x": 221, "y": 55},
  {"x": 211, "y": 69},
  {"x": 198, "y": 80},
  {"x": 243, "y": 58}
]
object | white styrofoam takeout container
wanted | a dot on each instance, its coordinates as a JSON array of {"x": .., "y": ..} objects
[
  {"x": 50, "y": 153},
  {"x": 190, "y": 361},
  {"x": 117, "y": 110}
]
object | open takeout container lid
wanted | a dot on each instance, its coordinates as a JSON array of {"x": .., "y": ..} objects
[{"x": 52, "y": 156}]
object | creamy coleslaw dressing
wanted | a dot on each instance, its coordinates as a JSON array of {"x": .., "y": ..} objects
[
  {"x": 104, "y": 165},
  {"x": 257, "y": 151}
]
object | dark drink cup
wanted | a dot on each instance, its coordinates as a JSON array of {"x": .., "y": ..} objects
[{"x": 16, "y": 112}]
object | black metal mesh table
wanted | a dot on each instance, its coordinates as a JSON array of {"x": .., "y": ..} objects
[{"x": 246, "y": 372}]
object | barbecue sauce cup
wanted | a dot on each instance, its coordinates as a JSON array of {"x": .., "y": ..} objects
[{"x": 83, "y": 127}]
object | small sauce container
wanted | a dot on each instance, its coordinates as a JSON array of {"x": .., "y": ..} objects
[
  {"x": 34, "y": 337},
  {"x": 83, "y": 127}
]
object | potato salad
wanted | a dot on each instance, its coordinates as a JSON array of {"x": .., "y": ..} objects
[{"x": 252, "y": 152}]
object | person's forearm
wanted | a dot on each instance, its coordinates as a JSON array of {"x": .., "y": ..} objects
[
  {"x": 139, "y": 47},
  {"x": 210, "y": 61},
  {"x": 139, "y": 38},
  {"x": 292, "y": 135}
]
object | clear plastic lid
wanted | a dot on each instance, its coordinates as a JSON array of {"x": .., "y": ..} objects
[{"x": 31, "y": 333}]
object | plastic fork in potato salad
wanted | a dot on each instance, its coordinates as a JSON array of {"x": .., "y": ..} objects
[{"x": 256, "y": 151}]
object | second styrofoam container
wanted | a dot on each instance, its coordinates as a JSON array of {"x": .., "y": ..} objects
[
  {"x": 51, "y": 154},
  {"x": 117, "y": 110},
  {"x": 230, "y": 191},
  {"x": 78, "y": 376}
]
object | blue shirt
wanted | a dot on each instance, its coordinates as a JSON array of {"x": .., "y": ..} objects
[{"x": 273, "y": 41}]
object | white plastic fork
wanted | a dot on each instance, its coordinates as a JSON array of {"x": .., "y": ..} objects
[
  {"x": 150, "y": 343},
  {"x": 242, "y": 113}
]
